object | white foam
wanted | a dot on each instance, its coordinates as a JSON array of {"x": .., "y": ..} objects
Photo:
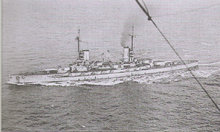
[
  {"x": 211, "y": 64},
  {"x": 77, "y": 83},
  {"x": 205, "y": 73}
]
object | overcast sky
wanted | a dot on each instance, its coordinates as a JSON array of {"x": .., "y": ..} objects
[{"x": 102, "y": 21}]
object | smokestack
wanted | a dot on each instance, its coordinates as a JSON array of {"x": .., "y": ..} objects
[
  {"x": 126, "y": 54},
  {"x": 86, "y": 55}
]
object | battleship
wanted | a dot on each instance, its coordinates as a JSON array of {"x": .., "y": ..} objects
[{"x": 83, "y": 70}]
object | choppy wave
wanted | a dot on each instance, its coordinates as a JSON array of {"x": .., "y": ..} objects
[
  {"x": 213, "y": 84},
  {"x": 203, "y": 73}
]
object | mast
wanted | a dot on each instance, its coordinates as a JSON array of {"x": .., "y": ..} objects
[
  {"x": 132, "y": 38},
  {"x": 78, "y": 39},
  {"x": 131, "y": 52}
]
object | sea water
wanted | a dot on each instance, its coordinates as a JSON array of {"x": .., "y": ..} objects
[{"x": 41, "y": 34}]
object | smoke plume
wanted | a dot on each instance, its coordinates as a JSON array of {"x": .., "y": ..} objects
[
  {"x": 127, "y": 29},
  {"x": 125, "y": 33}
]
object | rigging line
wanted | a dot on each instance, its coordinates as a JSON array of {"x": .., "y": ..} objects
[
  {"x": 145, "y": 6},
  {"x": 114, "y": 55},
  {"x": 192, "y": 10},
  {"x": 98, "y": 56},
  {"x": 150, "y": 19}
]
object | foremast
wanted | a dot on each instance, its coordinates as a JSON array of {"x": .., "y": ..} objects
[{"x": 83, "y": 55}]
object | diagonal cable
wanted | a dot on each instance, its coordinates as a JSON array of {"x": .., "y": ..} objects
[{"x": 150, "y": 19}]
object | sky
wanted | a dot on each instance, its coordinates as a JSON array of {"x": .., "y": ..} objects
[{"x": 52, "y": 22}]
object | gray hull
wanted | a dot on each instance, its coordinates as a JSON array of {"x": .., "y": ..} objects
[{"x": 38, "y": 79}]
